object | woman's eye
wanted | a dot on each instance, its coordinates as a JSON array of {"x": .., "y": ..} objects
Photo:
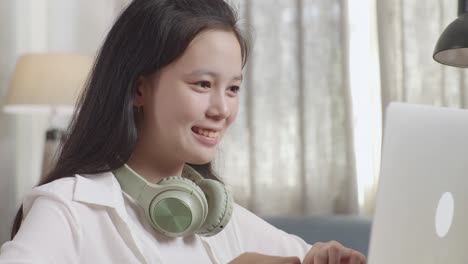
[
  {"x": 204, "y": 84},
  {"x": 234, "y": 89}
]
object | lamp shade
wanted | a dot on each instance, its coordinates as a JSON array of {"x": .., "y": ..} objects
[
  {"x": 452, "y": 47},
  {"x": 42, "y": 82}
]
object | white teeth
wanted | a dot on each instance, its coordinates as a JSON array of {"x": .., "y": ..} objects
[{"x": 206, "y": 133}]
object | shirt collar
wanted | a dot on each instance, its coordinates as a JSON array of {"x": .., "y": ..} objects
[{"x": 104, "y": 190}]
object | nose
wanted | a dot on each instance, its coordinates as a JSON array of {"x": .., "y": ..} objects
[{"x": 219, "y": 106}]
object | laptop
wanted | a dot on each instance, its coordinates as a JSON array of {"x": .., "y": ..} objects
[{"x": 421, "y": 213}]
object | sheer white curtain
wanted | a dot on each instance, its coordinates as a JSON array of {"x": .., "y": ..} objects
[
  {"x": 291, "y": 148},
  {"x": 408, "y": 31}
]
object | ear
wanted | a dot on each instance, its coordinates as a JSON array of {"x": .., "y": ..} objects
[{"x": 140, "y": 91}]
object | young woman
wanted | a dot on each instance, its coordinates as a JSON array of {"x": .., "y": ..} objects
[{"x": 133, "y": 182}]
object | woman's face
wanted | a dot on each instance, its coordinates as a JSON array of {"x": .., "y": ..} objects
[{"x": 190, "y": 103}]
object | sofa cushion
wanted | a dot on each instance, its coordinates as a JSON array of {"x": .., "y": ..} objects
[{"x": 351, "y": 231}]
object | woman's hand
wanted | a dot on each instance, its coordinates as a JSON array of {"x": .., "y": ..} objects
[
  {"x": 251, "y": 257},
  {"x": 333, "y": 253}
]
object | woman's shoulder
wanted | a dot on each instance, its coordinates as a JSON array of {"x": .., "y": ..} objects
[
  {"x": 69, "y": 191},
  {"x": 60, "y": 189},
  {"x": 55, "y": 195},
  {"x": 249, "y": 221},
  {"x": 244, "y": 213}
]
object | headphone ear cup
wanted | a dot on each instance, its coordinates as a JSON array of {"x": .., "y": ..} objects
[
  {"x": 220, "y": 207},
  {"x": 180, "y": 209}
]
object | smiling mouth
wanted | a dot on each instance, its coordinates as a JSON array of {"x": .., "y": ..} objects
[{"x": 205, "y": 132}]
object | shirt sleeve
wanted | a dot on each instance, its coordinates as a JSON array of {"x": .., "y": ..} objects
[
  {"x": 49, "y": 233},
  {"x": 257, "y": 235}
]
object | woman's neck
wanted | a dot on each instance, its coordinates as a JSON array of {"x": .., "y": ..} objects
[{"x": 153, "y": 169}]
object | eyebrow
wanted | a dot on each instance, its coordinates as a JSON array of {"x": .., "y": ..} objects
[{"x": 213, "y": 74}]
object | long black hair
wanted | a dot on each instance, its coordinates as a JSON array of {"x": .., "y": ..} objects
[{"x": 148, "y": 35}]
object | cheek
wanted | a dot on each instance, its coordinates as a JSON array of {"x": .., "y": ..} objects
[
  {"x": 179, "y": 107},
  {"x": 164, "y": 111},
  {"x": 234, "y": 106},
  {"x": 191, "y": 107}
]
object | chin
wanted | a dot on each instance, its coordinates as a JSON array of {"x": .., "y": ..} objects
[
  {"x": 200, "y": 158},
  {"x": 199, "y": 161}
]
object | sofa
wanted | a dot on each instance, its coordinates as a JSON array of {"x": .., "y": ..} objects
[{"x": 351, "y": 231}]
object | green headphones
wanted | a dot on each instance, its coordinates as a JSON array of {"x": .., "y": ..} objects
[{"x": 180, "y": 205}]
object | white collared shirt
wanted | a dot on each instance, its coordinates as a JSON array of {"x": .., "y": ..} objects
[{"x": 90, "y": 220}]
